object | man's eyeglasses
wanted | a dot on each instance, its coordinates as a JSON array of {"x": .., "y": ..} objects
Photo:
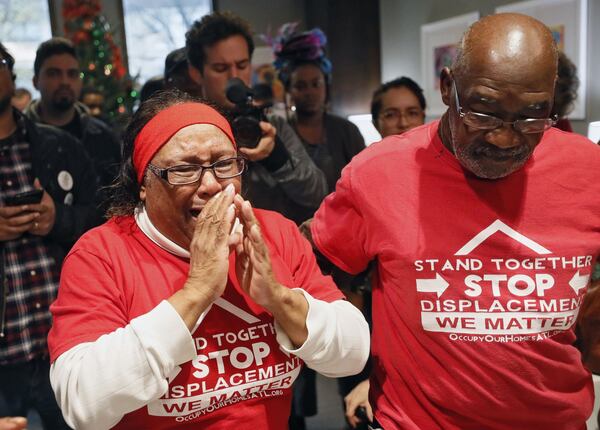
[
  {"x": 393, "y": 115},
  {"x": 482, "y": 121},
  {"x": 190, "y": 173}
]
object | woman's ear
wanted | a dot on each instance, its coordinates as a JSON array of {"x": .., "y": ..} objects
[{"x": 143, "y": 193}]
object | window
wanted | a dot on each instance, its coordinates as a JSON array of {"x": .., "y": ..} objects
[
  {"x": 154, "y": 28},
  {"x": 24, "y": 24}
]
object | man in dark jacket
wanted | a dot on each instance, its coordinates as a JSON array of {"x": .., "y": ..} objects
[
  {"x": 57, "y": 77},
  {"x": 35, "y": 234},
  {"x": 282, "y": 177}
]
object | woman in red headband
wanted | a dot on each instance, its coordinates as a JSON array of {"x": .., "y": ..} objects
[{"x": 189, "y": 308}]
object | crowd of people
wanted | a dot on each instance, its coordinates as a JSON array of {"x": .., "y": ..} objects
[{"x": 196, "y": 270}]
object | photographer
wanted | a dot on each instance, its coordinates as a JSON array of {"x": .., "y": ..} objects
[
  {"x": 282, "y": 177},
  {"x": 46, "y": 203}
]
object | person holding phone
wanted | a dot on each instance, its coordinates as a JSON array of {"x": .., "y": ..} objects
[{"x": 46, "y": 192}]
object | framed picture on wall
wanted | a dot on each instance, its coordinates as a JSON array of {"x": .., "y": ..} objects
[
  {"x": 439, "y": 41},
  {"x": 567, "y": 19}
]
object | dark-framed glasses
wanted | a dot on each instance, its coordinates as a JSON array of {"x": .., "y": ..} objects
[
  {"x": 412, "y": 115},
  {"x": 482, "y": 121},
  {"x": 190, "y": 173}
]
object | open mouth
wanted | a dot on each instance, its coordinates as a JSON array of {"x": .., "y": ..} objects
[{"x": 195, "y": 212}]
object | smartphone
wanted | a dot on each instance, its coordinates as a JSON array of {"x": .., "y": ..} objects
[{"x": 26, "y": 198}]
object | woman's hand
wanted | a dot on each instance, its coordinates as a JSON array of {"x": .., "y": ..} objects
[
  {"x": 209, "y": 258},
  {"x": 255, "y": 274},
  {"x": 253, "y": 264},
  {"x": 359, "y": 396},
  {"x": 210, "y": 246}
]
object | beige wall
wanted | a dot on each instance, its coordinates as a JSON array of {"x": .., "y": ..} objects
[{"x": 400, "y": 47}]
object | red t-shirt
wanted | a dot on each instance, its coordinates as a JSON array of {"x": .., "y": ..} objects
[
  {"x": 478, "y": 282},
  {"x": 240, "y": 377}
]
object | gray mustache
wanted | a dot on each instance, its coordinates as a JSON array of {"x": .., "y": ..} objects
[{"x": 492, "y": 151}]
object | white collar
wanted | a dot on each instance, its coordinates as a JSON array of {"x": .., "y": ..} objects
[{"x": 144, "y": 223}]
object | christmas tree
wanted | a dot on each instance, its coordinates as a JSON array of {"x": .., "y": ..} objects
[{"x": 100, "y": 57}]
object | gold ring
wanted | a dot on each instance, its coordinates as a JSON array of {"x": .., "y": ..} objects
[{"x": 36, "y": 225}]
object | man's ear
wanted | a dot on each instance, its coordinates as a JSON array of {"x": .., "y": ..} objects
[
  {"x": 195, "y": 74},
  {"x": 446, "y": 85},
  {"x": 35, "y": 82}
]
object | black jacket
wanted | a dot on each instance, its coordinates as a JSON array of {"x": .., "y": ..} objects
[
  {"x": 57, "y": 156},
  {"x": 295, "y": 187},
  {"x": 101, "y": 144},
  {"x": 54, "y": 151}
]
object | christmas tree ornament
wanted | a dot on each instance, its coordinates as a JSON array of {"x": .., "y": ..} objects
[{"x": 94, "y": 44}]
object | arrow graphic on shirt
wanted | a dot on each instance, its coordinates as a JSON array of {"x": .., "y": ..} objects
[
  {"x": 227, "y": 306},
  {"x": 579, "y": 282},
  {"x": 238, "y": 312},
  {"x": 437, "y": 285},
  {"x": 494, "y": 227}
]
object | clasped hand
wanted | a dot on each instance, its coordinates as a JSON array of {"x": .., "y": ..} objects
[{"x": 212, "y": 243}]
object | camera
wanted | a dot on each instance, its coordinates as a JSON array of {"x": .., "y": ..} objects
[{"x": 246, "y": 114}]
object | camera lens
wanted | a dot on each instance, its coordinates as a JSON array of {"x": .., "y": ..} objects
[{"x": 246, "y": 131}]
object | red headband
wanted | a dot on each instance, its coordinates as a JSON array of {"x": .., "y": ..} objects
[{"x": 166, "y": 123}]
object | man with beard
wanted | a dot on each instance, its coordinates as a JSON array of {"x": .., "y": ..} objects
[
  {"x": 35, "y": 234},
  {"x": 484, "y": 227},
  {"x": 57, "y": 77}
]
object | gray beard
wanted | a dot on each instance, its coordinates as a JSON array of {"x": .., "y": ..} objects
[{"x": 466, "y": 157}]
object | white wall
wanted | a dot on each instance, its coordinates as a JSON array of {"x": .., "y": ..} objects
[{"x": 400, "y": 40}]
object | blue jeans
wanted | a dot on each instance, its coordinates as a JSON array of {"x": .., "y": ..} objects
[{"x": 27, "y": 386}]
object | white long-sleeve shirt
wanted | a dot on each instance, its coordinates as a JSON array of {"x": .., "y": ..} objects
[{"x": 97, "y": 383}]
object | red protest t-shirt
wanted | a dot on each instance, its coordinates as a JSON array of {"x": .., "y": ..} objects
[
  {"x": 478, "y": 282},
  {"x": 240, "y": 376}
]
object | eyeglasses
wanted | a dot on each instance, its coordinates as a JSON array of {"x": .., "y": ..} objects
[
  {"x": 190, "y": 173},
  {"x": 304, "y": 85},
  {"x": 393, "y": 115},
  {"x": 483, "y": 121}
]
